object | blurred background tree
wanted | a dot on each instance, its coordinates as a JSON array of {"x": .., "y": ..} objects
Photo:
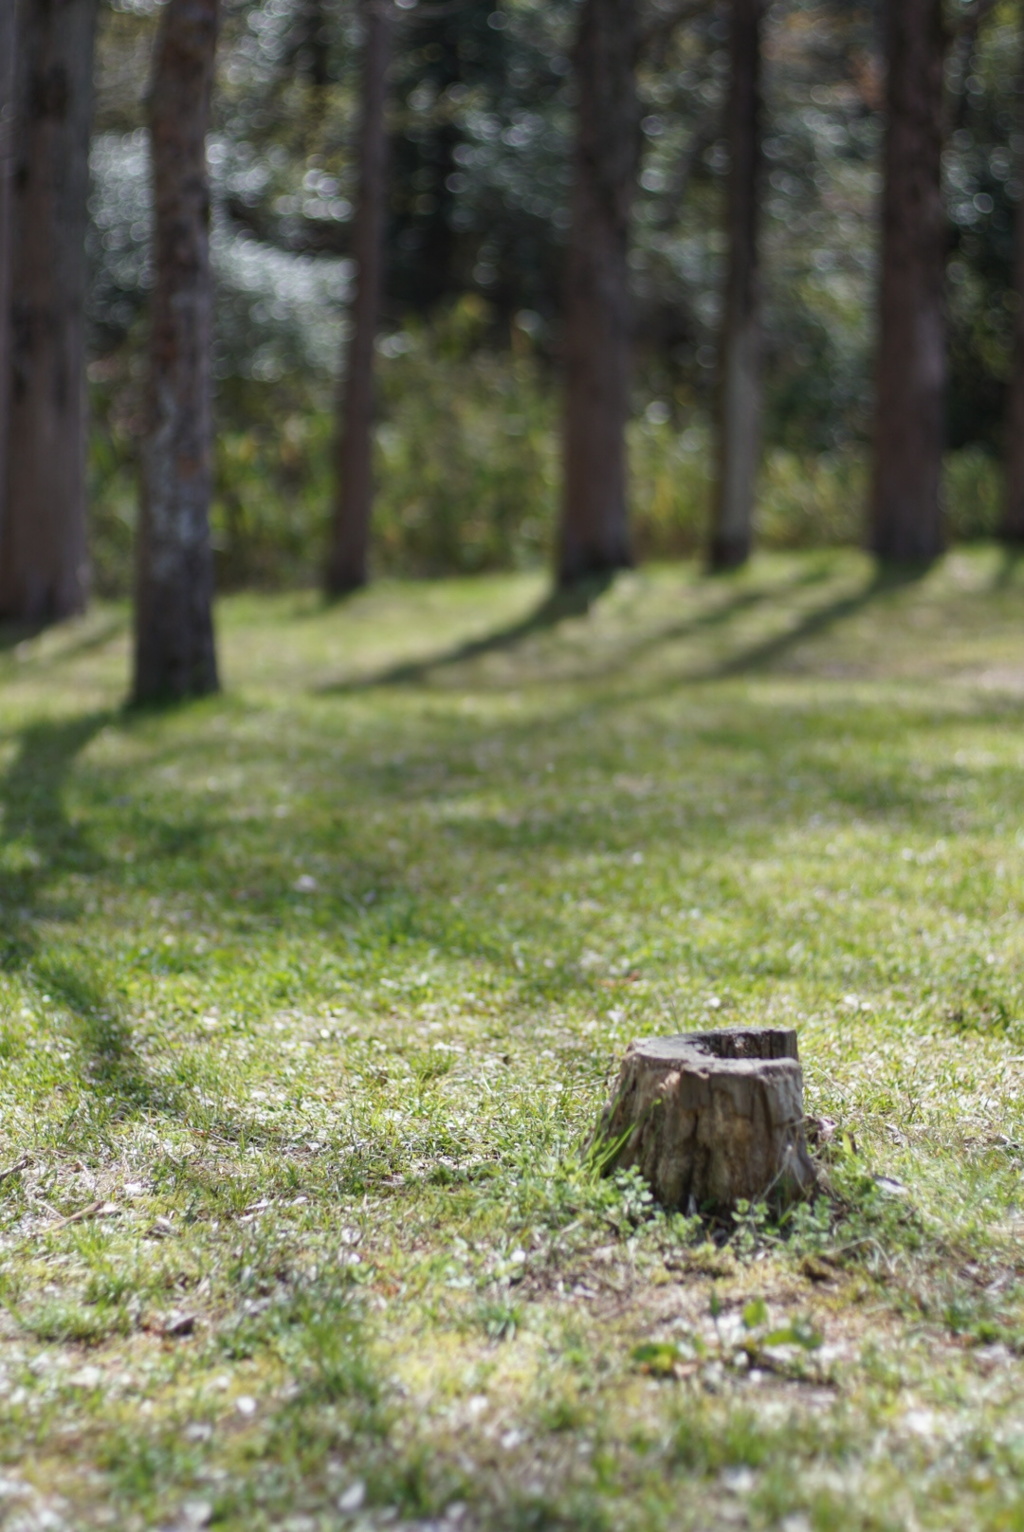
[
  {"x": 348, "y": 560},
  {"x": 907, "y": 522},
  {"x": 43, "y": 554},
  {"x": 469, "y": 346},
  {"x": 597, "y": 353},
  {"x": 739, "y": 405},
  {"x": 1012, "y": 524},
  {"x": 175, "y": 654},
  {"x": 8, "y": 108}
]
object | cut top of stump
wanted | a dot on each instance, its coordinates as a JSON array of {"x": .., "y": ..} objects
[
  {"x": 760, "y": 1043},
  {"x": 712, "y": 1118}
]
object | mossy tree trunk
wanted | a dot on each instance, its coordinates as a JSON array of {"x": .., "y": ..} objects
[{"x": 175, "y": 655}]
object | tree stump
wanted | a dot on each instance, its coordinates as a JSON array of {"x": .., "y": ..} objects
[{"x": 712, "y": 1118}]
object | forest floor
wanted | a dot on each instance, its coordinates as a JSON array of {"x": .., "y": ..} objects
[{"x": 310, "y": 994}]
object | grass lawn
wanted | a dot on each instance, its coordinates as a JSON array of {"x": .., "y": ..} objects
[{"x": 310, "y": 994}]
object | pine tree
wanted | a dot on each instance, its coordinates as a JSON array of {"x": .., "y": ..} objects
[
  {"x": 43, "y": 572},
  {"x": 175, "y": 655}
]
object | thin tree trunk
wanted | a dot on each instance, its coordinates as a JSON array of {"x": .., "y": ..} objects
[
  {"x": 594, "y": 533},
  {"x": 1012, "y": 527},
  {"x": 8, "y": 78},
  {"x": 906, "y": 502},
  {"x": 174, "y": 642},
  {"x": 739, "y": 403},
  {"x": 347, "y": 567},
  {"x": 43, "y": 572}
]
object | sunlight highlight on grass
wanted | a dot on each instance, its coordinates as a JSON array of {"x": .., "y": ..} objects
[{"x": 310, "y": 995}]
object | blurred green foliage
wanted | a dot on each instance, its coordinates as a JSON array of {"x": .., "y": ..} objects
[
  {"x": 468, "y": 473},
  {"x": 480, "y": 131}
]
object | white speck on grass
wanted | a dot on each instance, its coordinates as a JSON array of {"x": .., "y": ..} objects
[
  {"x": 196, "y": 1513},
  {"x": 353, "y": 1497},
  {"x": 922, "y": 1422},
  {"x": 739, "y": 1480},
  {"x": 86, "y": 1377}
]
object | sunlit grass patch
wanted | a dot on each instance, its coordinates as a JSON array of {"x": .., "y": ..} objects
[{"x": 310, "y": 997}]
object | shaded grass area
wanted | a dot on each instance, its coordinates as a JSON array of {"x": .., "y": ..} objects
[{"x": 309, "y": 996}]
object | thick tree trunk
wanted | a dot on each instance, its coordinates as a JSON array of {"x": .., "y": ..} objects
[
  {"x": 174, "y": 643},
  {"x": 906, "y": 504},
  {"x": 347, "y": 567},
  {"x": 8, "y": 77},
  {"x": 594, "y": 534},
  {"x": 739, "y": 402},
  {"x": 711, "y": 1118},
  {"x": 1012, "y": 527},
  {"x": 42, "y": 537}
]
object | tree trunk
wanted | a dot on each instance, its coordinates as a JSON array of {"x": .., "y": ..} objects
[
  {"x": 347, "y": 567},
  {"x": 43, "y": 572},
  {"x": 711, "y": 1118},
  {"x": 906, "y": 504},
  {"x": 174, "y": 643},
  {"x": 594, "y": 533},
  {"x": 1012, "y": 527},
  {"x": 8, "y": 78},
  {"x": 739, "y": 402}
]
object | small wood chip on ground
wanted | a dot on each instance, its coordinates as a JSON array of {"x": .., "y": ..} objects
[
  {"x": 19, "y": 1165},
  {"x": 93, "y": 1210}
]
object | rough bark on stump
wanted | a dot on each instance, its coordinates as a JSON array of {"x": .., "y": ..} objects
[{"x": 711, "y": 1118}]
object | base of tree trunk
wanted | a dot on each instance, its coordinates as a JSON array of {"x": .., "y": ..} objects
[
  {"x": 905, "y": 555},
  {"x": 592, "y": 568},
  {"x": 728, "y": 553},
  {"x": 711, "y": 1118},
  {"x": 344, "y": 583}
]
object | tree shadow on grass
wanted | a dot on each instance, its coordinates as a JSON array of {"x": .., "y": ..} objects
[
  {"x": 556, "y": 607},
  {"x": 46, "y": 845},
  {"x": 109, "y": 1061},
  {"x": 41, "y": 841},
  {"x": 560, "y": 606},
  {"x": 78, "y": 642},
  {"x": 888, "y": 579},
  {"x": 14, "y": 633},
  {"x": 1009, "y": 567},
  {"x": 43, "y": 851}
]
